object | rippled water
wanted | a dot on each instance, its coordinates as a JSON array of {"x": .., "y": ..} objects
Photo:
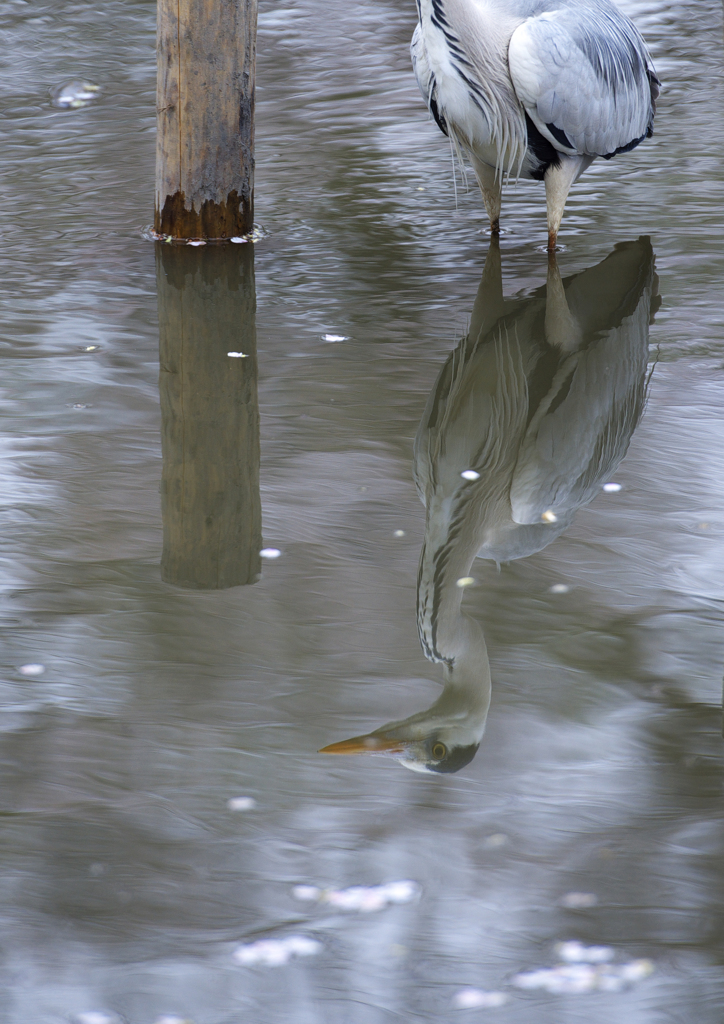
[{"x": 593, "y": 809}]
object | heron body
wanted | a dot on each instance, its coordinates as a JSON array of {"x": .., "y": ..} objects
[
  {"x": 534, "y": 89},
  {"x": 531, "y": 412}
]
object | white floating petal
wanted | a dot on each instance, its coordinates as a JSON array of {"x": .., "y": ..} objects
[
  {"x": 306, "y": 892},
  {"x": 238, "y": 240},
  {"x": 637, "y": 970},
  {"x": 612, "y": 488},
  {"x": 572, "y": 979},
  {"x": 31, "y": 670},
  {"x": 576, "y": 953},
  {"x": 558, "y": 588},
  {"x": 364, "y": 898},
  {"x": 579, "y": 900},
  {"x": 465, "y": 581},
  {"x": 335, "y": 337},
  {"x": 579, "y": 978},
  {"x": 549, "y": 517},
  {"x": 275, "y": 952},
  {"x": 470, "y": 474},
  {"x": 496, "y": 840},
  {"x": 475, "y": 999},
  {"x": 237, "y": 355},
  {"x": 196, "y": 241},
  {"x": 401, "y": 892},
  {"x": 302, "y": 945},
  {"x": 241, "y": 803},
  {"x": 270, "y": 552},
  {"x": 399, "y": 533}
]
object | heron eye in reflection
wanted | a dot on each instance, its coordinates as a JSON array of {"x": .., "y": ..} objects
[{"x": 439, "y": 751}]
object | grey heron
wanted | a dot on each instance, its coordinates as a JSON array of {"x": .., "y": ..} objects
[
  {"x": 530, "y": 413},
  {"x": 534, "y": 89}
]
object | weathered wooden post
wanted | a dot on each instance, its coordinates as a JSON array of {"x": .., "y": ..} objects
[
  {"x": 205, "y": 105},
  {"x": 210, "y": 416}
]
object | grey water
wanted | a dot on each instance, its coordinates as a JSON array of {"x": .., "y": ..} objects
[{"x": 165, "y": 689}]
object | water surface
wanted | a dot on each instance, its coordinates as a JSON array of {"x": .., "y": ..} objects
[{"x": 128, "y": 882}]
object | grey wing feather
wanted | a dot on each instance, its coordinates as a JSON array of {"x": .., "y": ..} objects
[
  {"x": 420, "y": 63},
  {"x": 584, "y": 77}
]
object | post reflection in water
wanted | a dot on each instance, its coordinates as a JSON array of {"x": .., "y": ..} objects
[
  {"x": 530, "y": 415},
  {"x": 210, "y": 434}
]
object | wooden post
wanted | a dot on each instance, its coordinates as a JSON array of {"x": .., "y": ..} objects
[
  {"x": 205, "y": 107},
  {"x": 210, "y": 416}
]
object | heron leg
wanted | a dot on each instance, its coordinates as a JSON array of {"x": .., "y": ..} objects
[
  {"x": 562, "y": 330},
  {"x": 558, "y": 180},
  {"x": 492, "y": 189},
  {"x": 489, "y": 304}
]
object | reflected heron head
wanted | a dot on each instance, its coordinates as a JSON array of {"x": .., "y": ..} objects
[{"x": 440, "y": 748}]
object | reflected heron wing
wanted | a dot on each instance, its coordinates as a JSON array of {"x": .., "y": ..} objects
[
  {"x": 476, "y": 413},
  {"x": 584, "y": 77},
  {"x": 581, "y": 429}
]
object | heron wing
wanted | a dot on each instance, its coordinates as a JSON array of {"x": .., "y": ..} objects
[{"x": 584, "y": 77}]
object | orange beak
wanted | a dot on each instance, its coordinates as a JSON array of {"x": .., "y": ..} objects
[{"x": 370, "y": 744}]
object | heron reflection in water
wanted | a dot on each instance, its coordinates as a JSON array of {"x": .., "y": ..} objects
[{"x": 531, "y": 412}]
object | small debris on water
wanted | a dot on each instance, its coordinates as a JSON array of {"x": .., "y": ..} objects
[
  {"x": 558, "y": 588},
  {"x": 241, "y": 803},
  {"x": 572, "y": 979},
  {"x": 476, "y": 999},
  {"x": 612, "y": 488},
  {"x": 276, "y": 952},
  {"x": 90, "y": 348},
  {"x": 579, "y": 900},
  {"x": 96, "y": 1017},
  {"x": 75, "y": 94},
  {"x": 270, "y": 552},
  {"x": 306, "y": 892},
  {"x": 465, "y": 581},
  {"x": 580, "y": 978},
  {"x": 399, "y": 533},
  {"x": 470, "y": 474},
  {"x": 495, "y": 841},
  {"x": 237, "y": 355},
  {"x": 170, "y": 1018},
  {"x": 238, "y": 239},
  {"x": 637, "y": 970},
  {"x": 549, "y": 517},
  {"x": 196, "y": 241},
  {"x": 79, "y": 405},
  {"x": 31, "y": 670},
  {"x": 577, "y": 953},
  {"x": 335, "y": 337},
  {"x": 366, "y": 898}
]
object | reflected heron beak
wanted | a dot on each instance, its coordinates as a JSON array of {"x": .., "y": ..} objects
[{"x": 372, "y": 743}]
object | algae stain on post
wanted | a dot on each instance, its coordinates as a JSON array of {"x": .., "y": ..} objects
[{"x": 205, "y": 115}]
